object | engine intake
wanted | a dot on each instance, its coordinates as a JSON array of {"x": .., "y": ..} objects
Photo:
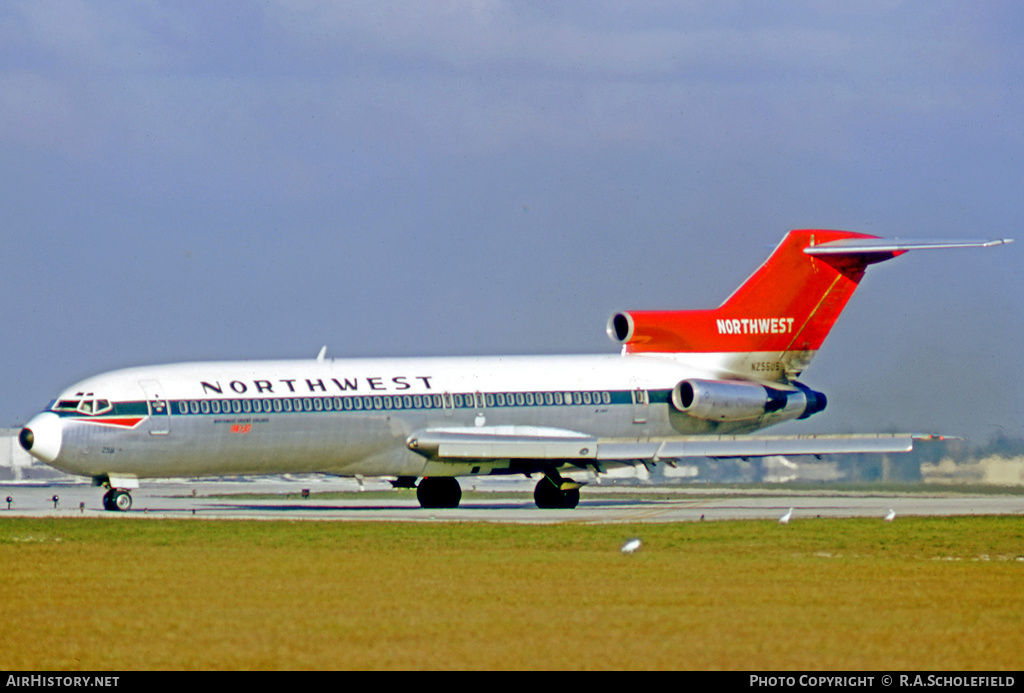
[{"x": 620, "y": 327}]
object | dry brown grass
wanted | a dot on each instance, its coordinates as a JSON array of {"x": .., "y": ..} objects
[{"x": 122, "y": 593}]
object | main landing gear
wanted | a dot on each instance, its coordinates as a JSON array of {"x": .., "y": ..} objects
[
  {"x": 117, "y": 499},
  {"x": 439, "y": 492},
  {"x": 553, "y": 492}
]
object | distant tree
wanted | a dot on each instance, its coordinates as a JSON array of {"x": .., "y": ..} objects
[{"x": 1001, "y": 445}]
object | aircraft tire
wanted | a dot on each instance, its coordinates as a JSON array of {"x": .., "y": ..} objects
[
  {"x": 107, "y": 505},
  {"x": 120, "y": 501},
  {"x": 439, "y": 492},
  {"x": 549, "y": 497}
]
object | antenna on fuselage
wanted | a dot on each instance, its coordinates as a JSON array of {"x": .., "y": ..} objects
[{"x": 322, "y": 354}]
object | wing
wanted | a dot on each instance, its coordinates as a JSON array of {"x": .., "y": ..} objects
[{"x": 553, "y": 444}]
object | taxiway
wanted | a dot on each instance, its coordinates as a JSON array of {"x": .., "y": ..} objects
[{"x": 508, "y": 501}]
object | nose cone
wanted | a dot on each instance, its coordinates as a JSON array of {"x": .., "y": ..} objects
[{"x": 42, "y": 437}]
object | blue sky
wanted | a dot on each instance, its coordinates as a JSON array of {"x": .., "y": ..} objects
[{"x": 192, "y": 181}]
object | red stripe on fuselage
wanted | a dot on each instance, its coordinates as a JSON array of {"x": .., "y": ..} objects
[{"x": 121, "y": 422}]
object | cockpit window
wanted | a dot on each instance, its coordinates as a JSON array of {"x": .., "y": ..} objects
[{"x": 83, "y": 403}]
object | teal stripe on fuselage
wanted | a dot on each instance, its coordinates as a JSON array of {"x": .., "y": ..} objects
[
  {"x": 426, "y": 402},
  {"x": 366, "y": 402}
]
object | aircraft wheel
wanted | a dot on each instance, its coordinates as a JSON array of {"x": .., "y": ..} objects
[
  {"x": 439, "y": 492},
  {"x": 120, "y": 501},
  {"x": 548, "y": 496},
  {"x": 107, "y": 505}
]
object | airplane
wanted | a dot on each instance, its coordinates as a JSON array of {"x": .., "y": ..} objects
[{"x": 687, "y": 383}]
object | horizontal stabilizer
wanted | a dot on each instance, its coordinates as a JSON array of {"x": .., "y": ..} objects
[
  {"x": 536, "y": 443},
  {"x": 869, "y": 246}
]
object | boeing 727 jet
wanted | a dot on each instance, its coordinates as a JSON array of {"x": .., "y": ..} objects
[{"x": 693, "y": 383}]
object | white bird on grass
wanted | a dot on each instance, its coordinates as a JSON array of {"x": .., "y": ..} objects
[
  {"x": 891, "y": 516},
  {"x": 784, "y": 520},
  {"x": 631, "y": 546}
]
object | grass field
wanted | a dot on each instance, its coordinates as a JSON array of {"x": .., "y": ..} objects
[{"x": 919, "y": 593}]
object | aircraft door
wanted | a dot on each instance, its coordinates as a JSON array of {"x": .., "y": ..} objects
[
  {"x": 159, "y": 408},
  {"x": 641, "y": 401},
  {"x": 481, "y": 417}
]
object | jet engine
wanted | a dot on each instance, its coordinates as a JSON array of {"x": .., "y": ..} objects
[{"x": 737, "y": 400}]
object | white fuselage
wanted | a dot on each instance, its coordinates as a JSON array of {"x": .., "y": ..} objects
[{"x": 356, "y": 416}]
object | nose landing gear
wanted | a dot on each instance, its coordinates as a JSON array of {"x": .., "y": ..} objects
[{"x": 117, "y": 499}]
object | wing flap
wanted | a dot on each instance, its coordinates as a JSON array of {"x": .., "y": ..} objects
[
  {"x": 503, "y": 442},
  {"x": 755, "y": 446},
  {"x": 537, "y": 443}
]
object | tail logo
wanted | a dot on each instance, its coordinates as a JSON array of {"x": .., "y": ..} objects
[{"x": 755, "y": 325}]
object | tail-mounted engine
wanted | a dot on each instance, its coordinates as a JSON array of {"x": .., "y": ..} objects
[{"x": 737, "y": 400}]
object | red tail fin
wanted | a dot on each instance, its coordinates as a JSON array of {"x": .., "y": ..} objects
[{"x": 785, "y": 308}]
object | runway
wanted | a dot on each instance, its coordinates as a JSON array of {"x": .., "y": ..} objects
[{"x": 504, "y": 501}]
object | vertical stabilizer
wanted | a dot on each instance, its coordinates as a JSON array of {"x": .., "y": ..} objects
[{"x": 774, "y": 323}]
